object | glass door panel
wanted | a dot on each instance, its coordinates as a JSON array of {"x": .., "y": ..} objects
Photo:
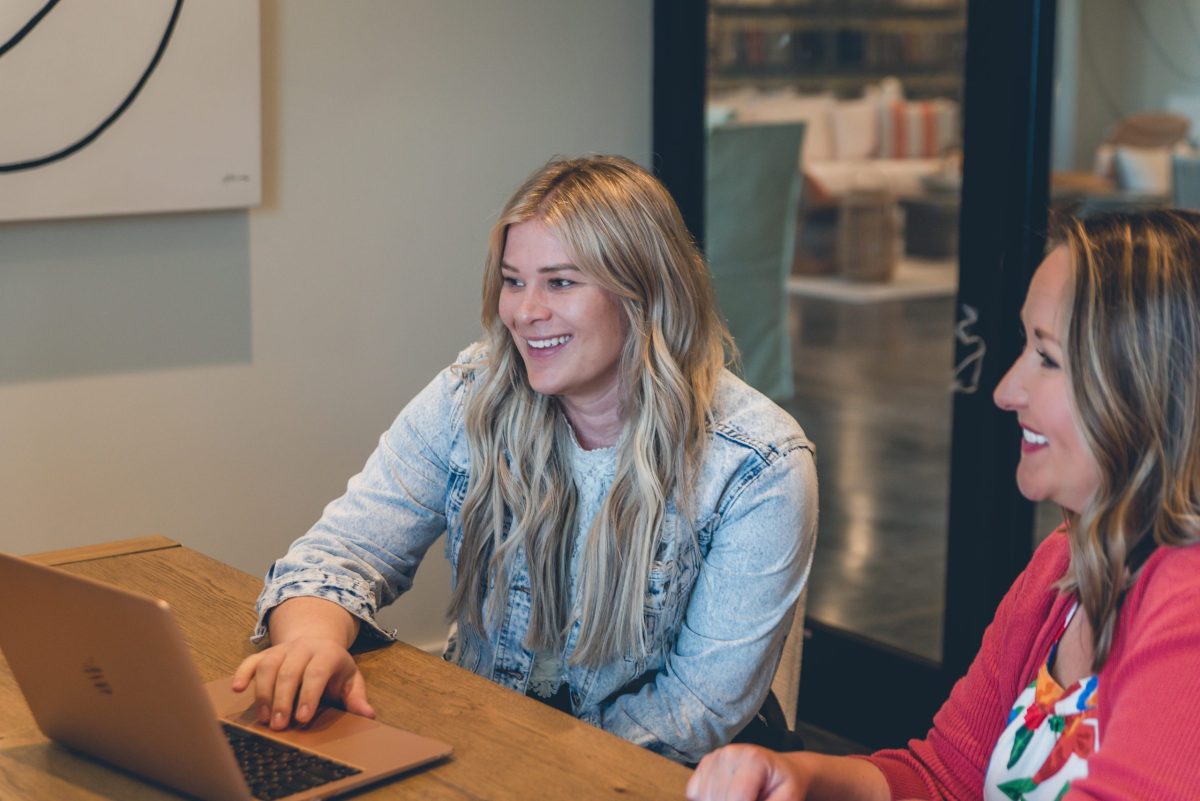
[
  {"x": 883, "y": 314},
  {"x": 863, "y": 282},
  {"x": 1126, "y": 117}
]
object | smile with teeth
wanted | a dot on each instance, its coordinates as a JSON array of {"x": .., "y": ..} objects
[
  {"x": 1032, "y": 438},
  {"x": 539, "y": 344}
]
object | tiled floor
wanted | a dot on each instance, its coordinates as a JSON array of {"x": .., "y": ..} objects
[{"x": 873, "y": 394}]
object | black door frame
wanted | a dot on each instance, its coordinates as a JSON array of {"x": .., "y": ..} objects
[
  {"x": 861, "y": 689},
  {"x": 680, "y": 65}
]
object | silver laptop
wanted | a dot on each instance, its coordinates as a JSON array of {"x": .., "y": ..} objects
[{"x": 106, "y": 672}]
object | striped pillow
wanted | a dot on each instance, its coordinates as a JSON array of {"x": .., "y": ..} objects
[{"x": 918, "y": 128}]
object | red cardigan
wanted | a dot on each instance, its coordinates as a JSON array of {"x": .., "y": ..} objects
[{"x": 1149, "y": 690}]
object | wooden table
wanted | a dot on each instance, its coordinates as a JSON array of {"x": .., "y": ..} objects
[{"x": 505, "y": 745}]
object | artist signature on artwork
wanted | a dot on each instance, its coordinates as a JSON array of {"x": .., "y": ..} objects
[{"x": 235, "y": 178}]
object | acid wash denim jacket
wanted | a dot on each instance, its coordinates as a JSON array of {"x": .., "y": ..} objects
[{"x": 718, "y": 604}]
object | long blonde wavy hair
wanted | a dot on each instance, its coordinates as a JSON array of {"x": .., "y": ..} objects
[
  {"x": 622, "y": 229},
  {"x": 1133, "y": 361}
]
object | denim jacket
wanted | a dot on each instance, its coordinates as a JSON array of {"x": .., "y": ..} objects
[{"x": 717, "y": 607}]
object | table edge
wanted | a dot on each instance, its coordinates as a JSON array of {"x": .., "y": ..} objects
[{"x": 103, "y": 550}]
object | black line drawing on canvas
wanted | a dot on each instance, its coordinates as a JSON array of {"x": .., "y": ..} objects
[
  {"x": 112, "y": 107},
  {"x": 27, "y": 27},
  {"x": 87, "y": 139}
]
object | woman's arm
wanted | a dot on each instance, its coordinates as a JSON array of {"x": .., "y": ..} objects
[
  {"x": 310, "y": 659},
  {"x": 359, "y": 557},
  {"x": 312, "y": 617},
  {"x": 749, "y": 773},
  {"x": 364, "y": 551},
  {"x": 951, "y": 761},
  {"x": 1149, "y": 691}
]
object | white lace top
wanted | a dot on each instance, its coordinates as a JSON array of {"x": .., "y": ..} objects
[{"x": 593, "y": 472}]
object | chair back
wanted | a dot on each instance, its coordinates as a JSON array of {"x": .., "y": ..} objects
[
  {"x": 786, "y": 684},
  {"x": 752, "y": 193}
]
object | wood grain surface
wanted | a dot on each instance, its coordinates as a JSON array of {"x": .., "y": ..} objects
[{"x": 506, "y": 746}]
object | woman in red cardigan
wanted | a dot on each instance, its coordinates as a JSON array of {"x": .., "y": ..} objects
[{"x": 1087, "y": 685}]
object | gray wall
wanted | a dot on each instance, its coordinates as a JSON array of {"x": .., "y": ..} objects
[{"x": 216, "y": 378}]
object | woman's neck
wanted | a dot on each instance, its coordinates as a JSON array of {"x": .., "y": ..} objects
[{"x": 597, "y": 421}]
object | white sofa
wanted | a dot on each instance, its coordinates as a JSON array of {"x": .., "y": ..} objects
[{"x": 877, "y": 141}]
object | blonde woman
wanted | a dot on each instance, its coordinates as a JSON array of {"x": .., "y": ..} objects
[
  {"x": 1087, "y": 685},
  {"x": 629, "y": 525}
]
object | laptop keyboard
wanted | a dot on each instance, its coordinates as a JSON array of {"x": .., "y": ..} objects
[{"x": 274, "y": 770}]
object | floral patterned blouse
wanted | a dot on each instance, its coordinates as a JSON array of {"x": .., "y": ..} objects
[{"x": 1051, "y": 732}]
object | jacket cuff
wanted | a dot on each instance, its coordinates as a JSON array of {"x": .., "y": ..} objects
[{"x": 351, "y": 593}]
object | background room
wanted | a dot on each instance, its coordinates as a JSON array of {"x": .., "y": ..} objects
[
  {"x": 216, "y": 376},
  {"x": 835, "y": 130}
]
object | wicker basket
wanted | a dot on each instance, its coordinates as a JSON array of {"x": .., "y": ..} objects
[
  {"x": 816, "y": 241},
  {"x": 867, "y": 236}
]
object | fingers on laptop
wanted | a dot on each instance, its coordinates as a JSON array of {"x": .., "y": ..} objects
[
  {"x": 292, "y": 678},
  {"x": 352, "y": 692}
]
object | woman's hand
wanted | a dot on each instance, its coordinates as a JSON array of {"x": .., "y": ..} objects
[
  {"x": 309, "y": 661},
  {"x": 748, "y": 773},
  {"x": 300, "y": 673}
]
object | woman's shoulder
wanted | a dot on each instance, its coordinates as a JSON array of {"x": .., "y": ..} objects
[
  {"x": 440, "y": 405},
  {"x": 1170, "y": 575},
  {"x": 1053, "y": 555},
  {"x": 456, "y": 379},
  {"x": 1037, "y": 583},
  {"x": 470, "y": 361},
  {"x": 744, "y": 418},
  {"x": 758, "y": 466},
  {"x": 1159, "y": 625},
  {"x": 1178, "y": 560}
]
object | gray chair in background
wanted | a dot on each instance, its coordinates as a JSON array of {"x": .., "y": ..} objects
[
  {"x": 752, "y": 193},
  {"x": 752, "y": 197},
  {"x": 1185, "y": 182},
  {"x": 786, "y": 682}
]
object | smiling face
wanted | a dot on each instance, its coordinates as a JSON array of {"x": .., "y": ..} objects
[
  {"x": 1056, "y": 463},
  {"x": 568, "y": 329}
]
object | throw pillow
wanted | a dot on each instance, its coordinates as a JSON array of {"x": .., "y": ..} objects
[
  {"x": 814, "y": 110},
  {"x": 856, "y": 128},
  {"x": 918, "y": 129}
]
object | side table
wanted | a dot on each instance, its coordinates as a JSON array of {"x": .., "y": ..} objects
[{"x": 931, "y": 225}]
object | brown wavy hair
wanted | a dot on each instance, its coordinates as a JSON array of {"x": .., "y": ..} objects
[{"x": 1133, "y": 360}]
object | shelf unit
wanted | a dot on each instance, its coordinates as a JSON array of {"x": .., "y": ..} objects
[{"x": 838, "y": 45}]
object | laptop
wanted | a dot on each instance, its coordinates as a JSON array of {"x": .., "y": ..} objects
[{"x": 106, "y": 672}]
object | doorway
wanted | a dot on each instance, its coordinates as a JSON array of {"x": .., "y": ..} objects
[{"x": 921, "y": 527}]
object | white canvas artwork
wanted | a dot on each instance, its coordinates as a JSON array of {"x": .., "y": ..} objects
[{"x": 128, "y": 106}]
